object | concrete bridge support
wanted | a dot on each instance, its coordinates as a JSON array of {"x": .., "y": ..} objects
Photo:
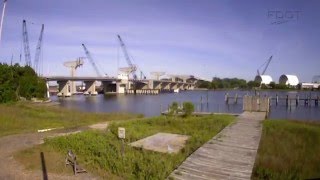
[
  {"x": 121, "y": 87},
  {"x": 173, "y": 86},
  {"x": 90, "y": 88},
  {"x": 64, "y": 90}
]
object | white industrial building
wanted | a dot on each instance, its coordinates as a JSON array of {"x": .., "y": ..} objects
[
  {"x": 291, "y": 80},
  {"x": 310, "y": 85},
  {"x": 263, "y": 79}
]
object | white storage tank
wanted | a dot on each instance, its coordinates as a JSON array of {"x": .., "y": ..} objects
[
  {"x": 291, "y": 80},
  {"x": 263, "y": 79}
]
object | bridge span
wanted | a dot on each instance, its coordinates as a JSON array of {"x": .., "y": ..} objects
[{"x": 67, "y": 86}]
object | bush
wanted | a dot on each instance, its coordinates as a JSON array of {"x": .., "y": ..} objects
[
  {"x": 17, "y": 81},
  {"x": 173, "y": 108},
  {"x": 188, "y": 108}
]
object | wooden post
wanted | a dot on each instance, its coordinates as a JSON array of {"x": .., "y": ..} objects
[
  {"x": 236, "y": 98},
  {"x": 297, "y": 100},
  {"x": 310, "y": 99},
  {"x": 226, "y": 98},
  {"x": 287, "y": 100},
  {"x": 277, "y": 99}
]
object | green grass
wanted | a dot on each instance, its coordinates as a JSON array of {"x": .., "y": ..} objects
[
  {"x": 25, "y": 117},
  {"x": 288, "y": 150},
  {"x": 100, "y": 152}
]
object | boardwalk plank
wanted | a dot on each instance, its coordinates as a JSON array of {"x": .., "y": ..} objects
[{"x": 228, "y": 155}]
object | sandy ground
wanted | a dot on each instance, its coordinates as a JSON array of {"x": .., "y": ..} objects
[{"x": 11, "y": 169}]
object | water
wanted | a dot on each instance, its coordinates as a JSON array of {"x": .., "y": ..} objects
[{"x": 212, "y": 101}]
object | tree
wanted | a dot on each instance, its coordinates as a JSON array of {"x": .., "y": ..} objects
[{"x": 17, "y": 81}]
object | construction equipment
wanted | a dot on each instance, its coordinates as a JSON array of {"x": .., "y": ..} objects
[
  {"x": 125, "y": 52},
  {"x": 38, "y": 51},
  {"x": 157, "y": 74},
  {"x": 266, "y": 64},
  {"x": 73, "y": 65},
  {"x": 2, "y": 17},
  {"x": 142, "y": 76},
  {"x": 26, "y": 43},
  {"x": 91, "y": 60}
]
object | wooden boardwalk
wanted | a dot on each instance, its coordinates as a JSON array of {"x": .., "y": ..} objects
[{"x": 229, "y": 155}]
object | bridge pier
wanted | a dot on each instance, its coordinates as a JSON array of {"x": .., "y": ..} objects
[
  {"x": 90, "y": 88},
  {"x": 64, "y": 90}
]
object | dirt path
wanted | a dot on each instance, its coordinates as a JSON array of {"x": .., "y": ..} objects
[{"x": 11, "y": 169}]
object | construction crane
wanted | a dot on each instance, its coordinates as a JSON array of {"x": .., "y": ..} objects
[
  {"x": 26, "y": 43},
  {"x": 157, "y": 74},
  {"x": 125, "y": 52},
  {"x": 142, "y": 75},
  {"x": 2, "y": 17},
  {"x": 266, "y": 66},
  {"x": 91, "y": 60},
  {"x": 38, "y": 50}
]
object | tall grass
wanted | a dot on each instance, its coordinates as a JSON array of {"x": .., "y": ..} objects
[
  {"x": 23, "y": 117},
  {"x": 288, "y": 150},
  {"x": 101, "y": 152}
]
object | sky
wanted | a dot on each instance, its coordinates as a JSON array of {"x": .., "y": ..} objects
[{"x": 203, "y": 38}]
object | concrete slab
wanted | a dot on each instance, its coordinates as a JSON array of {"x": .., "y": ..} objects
[{"x": 162, "y": 142}]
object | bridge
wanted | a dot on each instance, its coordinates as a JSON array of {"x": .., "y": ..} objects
[{"x": 121, "y": 85}]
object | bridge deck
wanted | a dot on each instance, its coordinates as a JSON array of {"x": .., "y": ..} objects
[{"x": 229, "y": 155}]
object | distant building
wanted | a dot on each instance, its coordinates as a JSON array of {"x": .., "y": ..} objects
[
  {"x": 309, "y": 85},
  {"x": 263, "y": 79},
  {"x": 290, "y": 80}
]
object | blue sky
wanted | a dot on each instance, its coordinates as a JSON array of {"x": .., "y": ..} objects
[{"x": 203, "y": 38}]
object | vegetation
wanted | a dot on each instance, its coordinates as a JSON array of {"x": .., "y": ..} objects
[
  {"x": 173, "y": 109},
  {"x": 100, "y": 152},
  {"x": 288, "y": 150},
  {"x": 17, "y": 81},
  {"x": 235, "y": 83},
  {"x": 25, "y": 117},
  {"x": 188, "y": 108},
  {"x": 225, "y": 83}
]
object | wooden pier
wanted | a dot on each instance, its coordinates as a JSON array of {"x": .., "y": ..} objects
[
  {"x": 307, "y": 100},
  {"x": 229, "y": 155}
]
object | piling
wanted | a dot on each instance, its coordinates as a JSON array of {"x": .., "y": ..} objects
[
  {"x": 316, "y": 101},
  {"x": 226, "y": 98},
  {"x": 287, "y": 100},
  {"x": 297, "y": 100},
  {"x": 277, "y": 99},
  {"x": 236, "y": 98}
]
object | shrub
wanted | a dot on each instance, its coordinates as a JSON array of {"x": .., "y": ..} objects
[
  {"x": 173, "y": 108},
  {"x": 188, "y": 108}
]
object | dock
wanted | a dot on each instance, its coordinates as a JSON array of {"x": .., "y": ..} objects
[{"x": 229, "y": 155}]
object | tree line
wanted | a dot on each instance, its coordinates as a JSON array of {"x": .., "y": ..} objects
[
  {"x": 235, "y": 83},
  {"x": 20, "y": 81}
]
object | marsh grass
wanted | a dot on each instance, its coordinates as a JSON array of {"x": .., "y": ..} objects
[
  {"x": 25, "y": 117},
  {"x": 288, "y": 150},
  {"x": 100, "y": 152}
]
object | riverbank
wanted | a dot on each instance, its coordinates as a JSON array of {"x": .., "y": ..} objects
[
  {"x": 100, "y": 151},
  {"x": 25, "y": 117}
]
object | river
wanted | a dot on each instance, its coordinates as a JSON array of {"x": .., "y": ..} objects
[{"x": 212, "y": 101}]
